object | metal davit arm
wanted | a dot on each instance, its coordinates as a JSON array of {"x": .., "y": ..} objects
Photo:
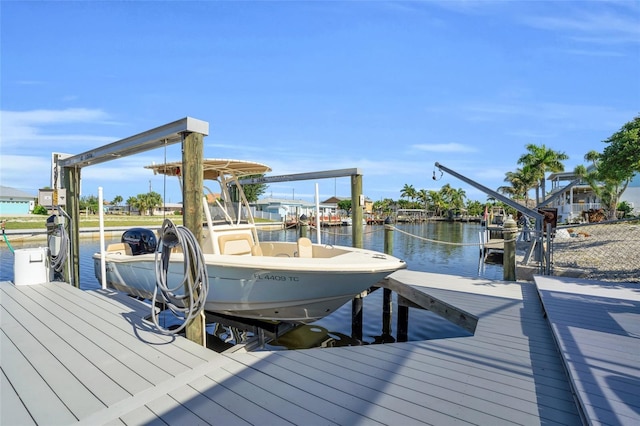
[{"x": 519, "y": 207}]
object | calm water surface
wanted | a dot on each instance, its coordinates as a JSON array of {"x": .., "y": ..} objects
[{"x": 334, "y": 330}]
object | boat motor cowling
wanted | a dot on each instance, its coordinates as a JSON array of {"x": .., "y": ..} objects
[{"x": 141, "y": 240}]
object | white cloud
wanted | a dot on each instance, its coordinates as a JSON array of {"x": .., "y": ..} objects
[
  {"x": 25, "y": 172},
  {"x": 28, "y": 127}
]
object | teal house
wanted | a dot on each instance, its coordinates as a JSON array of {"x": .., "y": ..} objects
[{"x": 15, "y": 202}]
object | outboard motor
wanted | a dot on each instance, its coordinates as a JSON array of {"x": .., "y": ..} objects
[{"x": 141, "y": 240}]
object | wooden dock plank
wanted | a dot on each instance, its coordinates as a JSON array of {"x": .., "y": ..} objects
[
  {"x": 19, "y": 414},
  {"x": 36, "y": 397},
  {"x": 72, "y": 392},
  {"x": 401, "y": 393},
  {"x": 508, "y": 372},
  {"x": 596, "y": 328},
  {"x": 114, "y": 379},
  {"x": 112, "y": 345},
  {"x": 296, "y": 395},
  {"x": 323, "y": 385},
  {"x": 207, "y": 409},
  {"x": 116, "y": 306},
  {"x": 212, "y": 386},
  {"x": 244, "y": 381}
]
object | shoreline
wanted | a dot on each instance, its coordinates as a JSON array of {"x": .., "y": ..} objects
[{"x": 113, "y": 232}]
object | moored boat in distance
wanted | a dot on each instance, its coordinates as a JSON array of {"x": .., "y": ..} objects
[{"x": 282, "y": 281}]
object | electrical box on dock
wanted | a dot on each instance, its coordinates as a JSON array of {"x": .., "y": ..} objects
[{"x": 32, "y": 266}]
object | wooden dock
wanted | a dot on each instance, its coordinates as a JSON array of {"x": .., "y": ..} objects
[{"x": 72, "y": 356}]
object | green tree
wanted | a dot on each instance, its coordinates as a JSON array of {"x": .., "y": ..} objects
[
  {"x": 147, "y": 202},
  {"x": 253, "y": 191},
  {"x": 540, "y": 160},
  {"x": 436, "y": 202},
  {"x": 345, "y": 204},
  {"x": 521, "y": 181},
  {"x": 409, "y": 192},
  {"x": 605, "y": 183},
  {"x": 89, "y": 203},
  {"x": 384, "y": 206},
  {"x": 475, "y": 208},
  {"x": 132, "y": 203},
  {"x": 620, "y": 160},
  {"x": 116, "y": 200}
]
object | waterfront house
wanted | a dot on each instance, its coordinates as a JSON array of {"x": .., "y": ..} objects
[
  {"x": 575, "y": 200},
  {"x": 578, "y": 199}
]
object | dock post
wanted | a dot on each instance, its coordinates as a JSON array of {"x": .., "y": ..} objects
[
  {"x": 192, "y": 153},
  {"x": 356, "y": 317},
  {"x": 357, "y": 206},
  {"x": 304, "y": 226},
  {"x": 387, "y": 303},
  {"x": 72, "y": 183},
  {"x": 403, "y": 323},
  {"x": 509, "y": 231}
]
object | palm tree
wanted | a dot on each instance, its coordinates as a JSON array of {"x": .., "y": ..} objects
[
  {"x": 437, "y": 202},
  {"x": 117, "y": 200},
  {"x": 522, "y": 180},
  {"x": 457, "y": 198},
  {"x": 541, "y": 160},
  {"x": 408, "y": 191},
  {"x": 606, "y": 188}
]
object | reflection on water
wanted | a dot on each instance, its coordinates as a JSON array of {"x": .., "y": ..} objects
[{"x": 426, "y": 254}]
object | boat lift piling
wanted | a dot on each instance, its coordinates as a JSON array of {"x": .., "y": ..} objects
[{"x": 188, "y": 131}]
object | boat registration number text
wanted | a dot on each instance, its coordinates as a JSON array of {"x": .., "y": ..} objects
[{"x": 273, "y": 277}]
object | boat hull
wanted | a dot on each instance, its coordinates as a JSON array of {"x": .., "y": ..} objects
[{"x": 281, "y": 289}]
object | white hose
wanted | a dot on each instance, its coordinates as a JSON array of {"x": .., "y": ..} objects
[{"x": 186, "y": 300}]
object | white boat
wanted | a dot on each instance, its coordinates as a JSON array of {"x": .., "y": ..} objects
[{"x": 267, "y": 280}]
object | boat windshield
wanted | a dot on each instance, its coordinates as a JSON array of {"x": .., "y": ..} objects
[{"x": 226, "y": 203}]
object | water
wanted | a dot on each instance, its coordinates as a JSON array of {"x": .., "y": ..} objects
[{"x": 460, "y": 258}]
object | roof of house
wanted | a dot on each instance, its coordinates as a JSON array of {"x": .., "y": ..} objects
[{"x": 8, "y": 192}]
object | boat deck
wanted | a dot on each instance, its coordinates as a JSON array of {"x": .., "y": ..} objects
[{"x": 72, "y": 356}]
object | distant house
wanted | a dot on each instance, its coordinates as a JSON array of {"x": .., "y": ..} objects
[
  {"x": 15, "y": 202},
  {"x": 286, "y": 209},
  {"x": 167, "y": 208},
  {"x": 333, "y": 201}
]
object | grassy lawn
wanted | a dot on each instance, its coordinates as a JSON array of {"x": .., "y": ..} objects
[{"x": 90, "y": 221}]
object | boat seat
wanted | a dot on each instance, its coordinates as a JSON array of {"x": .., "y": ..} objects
[
  {"x": 119, "y": 248},
  {"x": 305, "y": 248},
  {"x": 256, "y": 250},
  {"x": 238, "y": 244}
]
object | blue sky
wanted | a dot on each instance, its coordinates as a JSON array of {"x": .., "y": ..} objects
[{"x": 388, "y": 87}]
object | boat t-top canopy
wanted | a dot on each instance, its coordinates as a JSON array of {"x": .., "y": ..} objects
[{"x": 213, "y": 168}]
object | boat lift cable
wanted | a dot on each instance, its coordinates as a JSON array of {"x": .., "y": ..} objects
[{"x": 186, "y": 299}]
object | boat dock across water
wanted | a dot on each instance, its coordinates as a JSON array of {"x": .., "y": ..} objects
[{"x": 560, "y": 351}]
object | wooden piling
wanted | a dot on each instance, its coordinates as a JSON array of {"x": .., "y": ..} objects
[
  {"x": 72, "y": 183},
  {"x": 509, "y": 231},
  {"x": 387, "y": 302},
  {"x": 192, "y": 155},
  {"x": 357, "y": 207}
]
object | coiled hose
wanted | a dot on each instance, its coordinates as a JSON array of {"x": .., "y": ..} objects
[
  {"x": 57, "y": 261},
  {"x": 186, "y": 300}
]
